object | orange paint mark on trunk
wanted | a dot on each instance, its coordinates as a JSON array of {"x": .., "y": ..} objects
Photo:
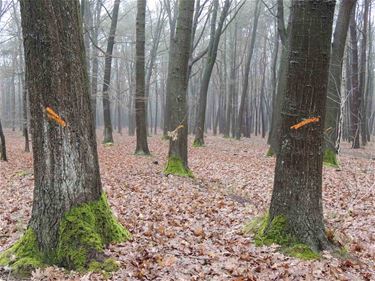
[
  {"x": 53, "y": 115},
  {"x": 305, "y": 122}
]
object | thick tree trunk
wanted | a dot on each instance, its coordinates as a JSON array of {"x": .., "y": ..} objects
[
  {"x": 178, "y": 79},
  {"x": 245, "y": 84},
  {"x": 71, "y": 222},
  {"x": 297, "y": 192},
  {"x": 140, "y": 98},
  {"x": 108, "y": 138},
  {"x": 333, "y": 110},
  {"x": 356, "y": 94}
]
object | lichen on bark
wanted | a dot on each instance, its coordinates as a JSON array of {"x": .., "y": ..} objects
[{"x": 84, "y": 232}]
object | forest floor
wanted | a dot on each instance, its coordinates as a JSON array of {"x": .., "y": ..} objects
[{"x": 192, "y": 229}]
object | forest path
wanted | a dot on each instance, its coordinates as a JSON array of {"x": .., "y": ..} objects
[{"x": 191, "y": 229}]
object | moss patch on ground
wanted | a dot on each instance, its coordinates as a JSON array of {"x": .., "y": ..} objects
[
  {"x": 84, "y": 232},
  {"x": 24, "y": 256},
  {"x": 175, "y": 166},
  {"x": 330, "y": 158},
  {"x": 267, "y": 233}
]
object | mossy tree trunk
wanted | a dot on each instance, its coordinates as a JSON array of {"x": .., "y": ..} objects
[
  {"x": 177, "y": 86},
  {"x": 71, "y": 221},
  {"x": 333, "y": 110},
  {"x": 297, "y": 192},
  {"x": 140, "y": 95}
]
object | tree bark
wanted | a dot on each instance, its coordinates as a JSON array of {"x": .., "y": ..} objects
[
  {"x": 3, "y": 149},
  {"x": 70, "y": 217},
  {"x": 108, "y": 138},
  {"x": 178, "y": 79},
  {"x": 297, "y": 191},
  {"x": 356, "y": 94},
  {"x": 140, "y": 98},
  {"x": 245, "y": 84},
  {"x": 333, "y": 110},
  {"x": 211, "y": 58}
]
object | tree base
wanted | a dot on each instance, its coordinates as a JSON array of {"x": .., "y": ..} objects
[
  {"x": 198, "y": 143},
  {"x": 270, "y": 152},
  {"x": 84, "y": 232},
  {"x": 274, "y": 232},
  {"x": 330, "y": 158},
  {"x": 176, "y": 167},
  {"x": 141, "y": 153}
]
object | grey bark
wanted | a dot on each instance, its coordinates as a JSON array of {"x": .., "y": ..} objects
[
  {"x": 140, "y": 98},
  {"x": 108, "y": 138},
  {"x": 297, "y": 191}
]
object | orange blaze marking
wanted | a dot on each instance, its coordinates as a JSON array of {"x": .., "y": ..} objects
[
  {"x": 53, "y": 115},
  {"x": 305, "y": 122}
]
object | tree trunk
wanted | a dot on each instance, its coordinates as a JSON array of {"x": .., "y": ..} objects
[
  {"x": 297, "y": 193},
  {"x": 362, "y": 74},
  {"x": 333, "y": 110},
  {"x": 178, "y": 79},
  {"x": 3, "y": 150},
  {"x": 356, "y": 94},
  {"x": 212, "y": 53},
  {"x": 108, "y": 138},
  {"x": 245, "y": 85},
  {"x": 140, "y": 99},
  {"x": 71, "y": 221}
]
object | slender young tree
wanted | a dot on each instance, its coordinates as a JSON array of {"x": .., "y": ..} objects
[
  {"x": 178, "y": 79},
  {"x": 334, "y": 83},
  {"x": 140, "y": 98},
  {"x": 71, "y": 221},
  {"x": 108, "y": 137},
  {"x": 355, "y": 102},
  {"x": 245, "y": 84},
  {"x": 216, "y": 32},
  {"x": 296, "y": 204},
  {"x": 3, "y": 149}
]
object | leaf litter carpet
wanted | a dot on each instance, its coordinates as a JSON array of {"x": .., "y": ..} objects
[{"x": 191, "y": 229}]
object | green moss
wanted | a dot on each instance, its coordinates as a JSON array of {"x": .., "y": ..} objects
[
  {"x": 86, "y": 230},
  {"x": 198, "y": 143},
  {"x": 24, "y": 256},
  {"x": 301, "y": 251},
  {"x": 330, "y": 158},
  {"x": 270, "y": 152},
  {"x": 267, "y": 233},
  {"x": 83, "y": 233},
  {"x": 175, "y": 166},
  {"x": 141, "y": 153},
  {"x": 108, "y": 144},
  {"x": 109, "y": 265}
]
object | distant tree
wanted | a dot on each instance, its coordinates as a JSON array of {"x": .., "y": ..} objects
[
  {"x": 216, "y": 30},
  {"x": 140, "y": 98},
  {"x": 71, "y": 221},
  {"x": 108, "y": 137},
  {"x": 178, "y": 78},
  {"x": 3, "y": 149},
  {"x": 296, "y": 204},
  {"x": 245, "y": 84},
  {"x": 334, "y": 83},
  {"x": 355, "y": 102}
]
